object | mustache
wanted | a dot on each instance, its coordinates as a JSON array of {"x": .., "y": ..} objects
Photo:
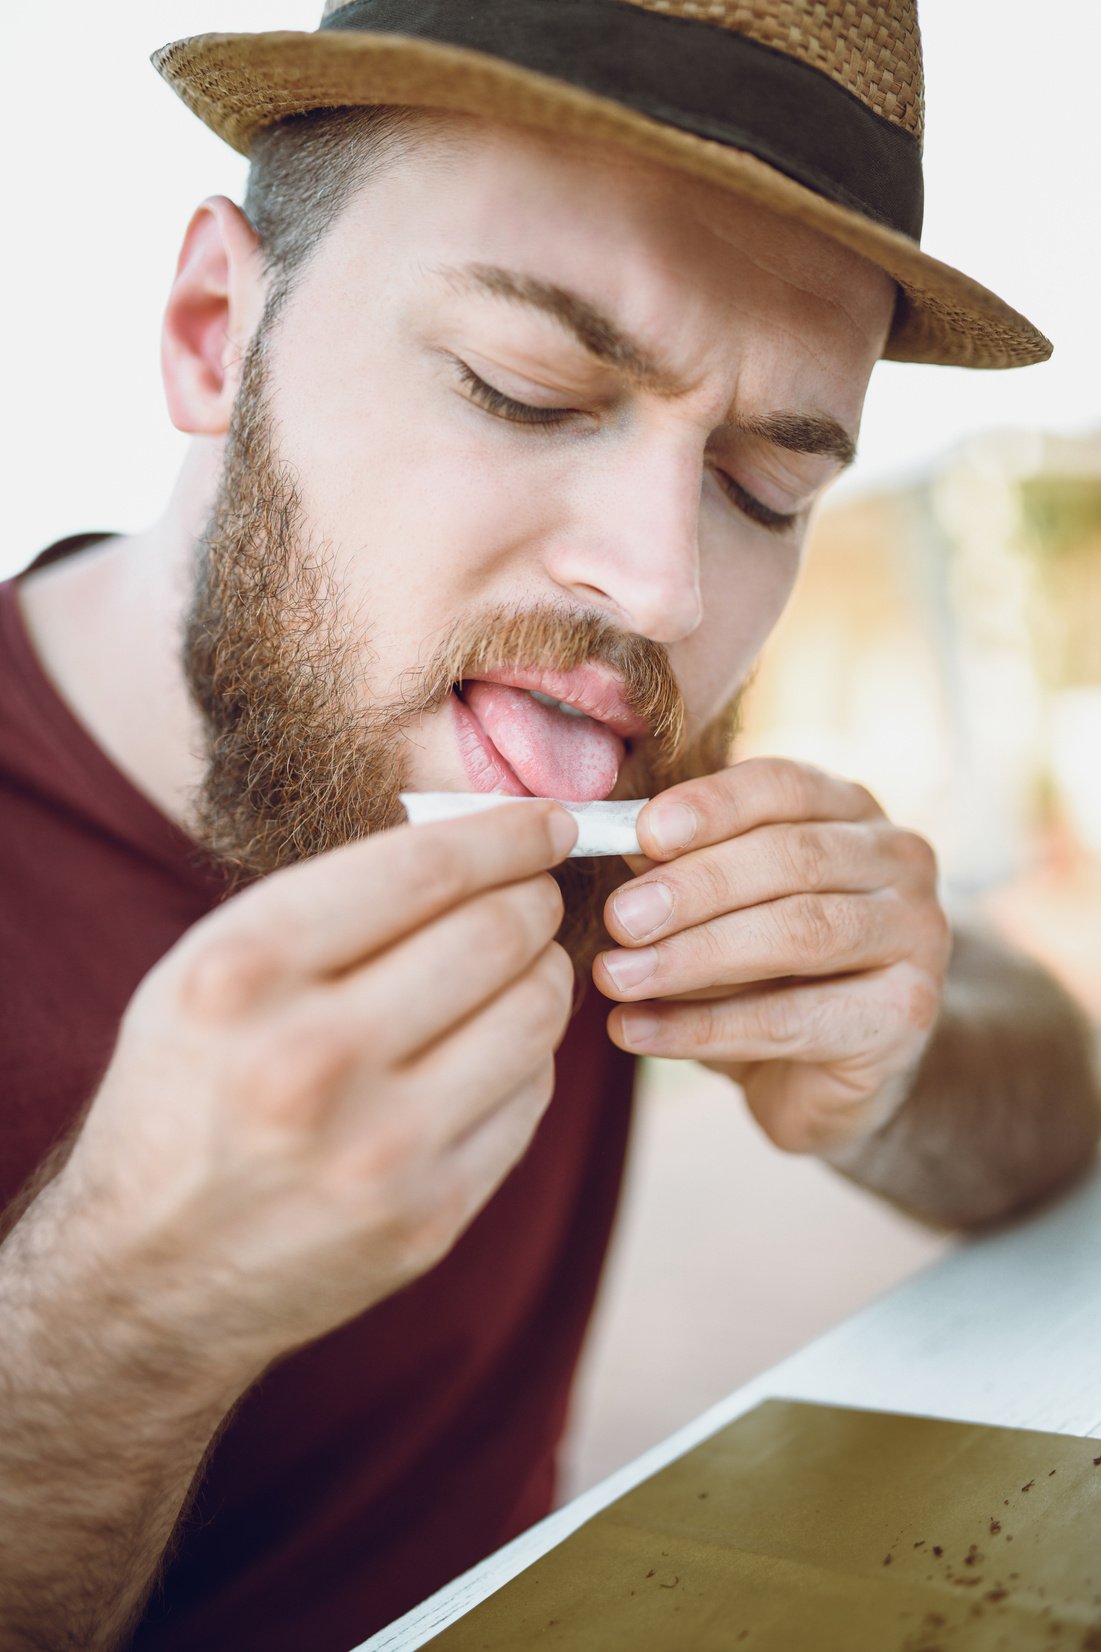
[{"x": 551, "y": 638}]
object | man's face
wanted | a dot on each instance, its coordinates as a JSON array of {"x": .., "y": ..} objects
[{"x": 547, "y": 420}]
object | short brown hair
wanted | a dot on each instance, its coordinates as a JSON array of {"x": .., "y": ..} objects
[{"x": 304, "y": 170}]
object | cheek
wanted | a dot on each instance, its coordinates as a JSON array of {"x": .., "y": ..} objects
[
  {"x": 745, "y": 580},
  {"x": 415, "y": 515}
]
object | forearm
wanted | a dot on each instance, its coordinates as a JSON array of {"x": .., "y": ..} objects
[
  {"x": 106, "y": 1414},
  {"x": 1005, "y": 1108}
]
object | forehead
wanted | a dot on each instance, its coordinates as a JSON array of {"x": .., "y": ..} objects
[{"x": 675, "y": 260}]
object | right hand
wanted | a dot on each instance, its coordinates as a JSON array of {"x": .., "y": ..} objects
[{"x": 317, "y": 1089}]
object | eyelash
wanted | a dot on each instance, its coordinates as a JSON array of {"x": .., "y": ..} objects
[{"x": 550, "y": 418}]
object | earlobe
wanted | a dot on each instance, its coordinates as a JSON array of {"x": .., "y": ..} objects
[{"x": 213, "y": 308}]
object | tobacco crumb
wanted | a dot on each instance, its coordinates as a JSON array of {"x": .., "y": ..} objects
[
  {"x": 1050, "y": 1472},
  {"x": 972, "y": 1557},
  {"x": 937, "y": 1550},
  {"x": 887, "y": 1559},
  {"x": 967, "y": 1582},
  {"x": 1097, "y": 1462},
  {"x": 920, "y": 1544},
  {"x": 676, "y": 1580},
  {"x": 1029, "y": 1487},
  {"x": 650, "y": 1573},
  {"x": 1005, "y": 1502},
  {"x": 997, "y": 1594},
  {"x": 995, "y": 1527}
]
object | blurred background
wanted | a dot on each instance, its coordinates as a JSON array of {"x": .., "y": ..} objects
[{"x": 943, "y": 647}]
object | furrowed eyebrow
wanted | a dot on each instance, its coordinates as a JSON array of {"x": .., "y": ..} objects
[
  {"x": 594, "y": 331},
  {"x": 600, "y": 337},
  {"x": 801, "y": 433}
]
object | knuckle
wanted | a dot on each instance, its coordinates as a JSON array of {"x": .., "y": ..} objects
[
  {"x": 525, "y": 1108},
  {"x": 790, "y": 783},
  {"x": 701, "y": 1025},
  {"x": 778, "y": 1019},
  {"x": 712, "y": 891},
  {"x": 544, "y": 904},
  {"x": 808, "y": 929},
  {"x": 703, "y": 952},
  {"x": 226, "y": 972},
  {"x": 434, "y": 1231},
  {"x": 548, "y": 995},
  {"x": 804, "y": 858},
  {"x": 923, "y": 1004},
  {"x": 940, "y": 933},
  {"x": 288, "y": 1078},
  {"x": 385, "y": 1156},
  {"x": 918, "y": 855},
  {"x": 868, "y": 803},
  {"x": 541, "y": 1088},
  {"x": 510, "y": 925}
]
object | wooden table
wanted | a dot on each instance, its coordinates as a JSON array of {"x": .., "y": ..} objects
[{"x": 1006, "y": 1330}]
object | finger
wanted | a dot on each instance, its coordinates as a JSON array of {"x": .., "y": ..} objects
[
  {"x": 331, "y": 912},
  {"x": 417, "y": 990},
  {"x": 766, "y": 864},
  {"x": 479, "y": 1162},
  {"x": 797, "y": 936},
  {"x": 470, "y": 1072},
  {"x": 869, "y": 1018},
  {"x": 759, "y": 792}
]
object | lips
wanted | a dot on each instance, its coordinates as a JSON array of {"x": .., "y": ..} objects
[{"x": 513, "y": 743}]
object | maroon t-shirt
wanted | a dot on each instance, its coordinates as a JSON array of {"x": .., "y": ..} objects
[{"x": 366, "y": 1470}]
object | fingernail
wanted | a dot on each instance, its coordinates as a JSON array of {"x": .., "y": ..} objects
[
  {"x": 643, "y": 908},
  {"x": 671, "y": 825},
  {"x": 638, "y": 1028},
  {"x": 563, "y": 832},
  {"x": 627, "y": 969}
]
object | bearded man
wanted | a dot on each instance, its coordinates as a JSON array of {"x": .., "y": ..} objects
[{"x": 512, "y": 389}]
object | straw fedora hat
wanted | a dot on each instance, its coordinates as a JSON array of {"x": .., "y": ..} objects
[{"x": 811, "y": 107}]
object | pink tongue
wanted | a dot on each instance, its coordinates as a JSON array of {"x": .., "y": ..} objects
[{"x": 553, "y": 754}]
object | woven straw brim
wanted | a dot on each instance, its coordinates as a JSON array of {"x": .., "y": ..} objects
[{"x": 240, "y": 83}]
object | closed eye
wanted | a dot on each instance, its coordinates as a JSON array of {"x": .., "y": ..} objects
[
  {"x": 507, "y": 407},
  {"x": 754, "y": 508},
  {"x": 494, "y": 401}
]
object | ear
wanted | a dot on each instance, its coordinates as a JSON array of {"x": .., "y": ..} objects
[{"x": 214, "y": 307}]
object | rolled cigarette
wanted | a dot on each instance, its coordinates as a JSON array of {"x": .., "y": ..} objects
[{"x": 603, "y": 828}]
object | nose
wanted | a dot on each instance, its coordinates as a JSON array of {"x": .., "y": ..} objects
[{"x": 631, "y": 543}]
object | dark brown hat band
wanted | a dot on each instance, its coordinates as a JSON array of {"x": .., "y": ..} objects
[{"x": 693, "y": 75}]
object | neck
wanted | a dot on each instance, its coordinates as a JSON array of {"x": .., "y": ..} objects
[{"x": 107, "y": 626}]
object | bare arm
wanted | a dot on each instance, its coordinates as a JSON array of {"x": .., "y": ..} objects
[
  {"x": 1005, "y": 1108},
  {"x": 108, "y": 1412},
  {"x": 267, "y": 1157}
]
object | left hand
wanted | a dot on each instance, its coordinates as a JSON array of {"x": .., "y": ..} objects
[{"x": 805, "y": 932}]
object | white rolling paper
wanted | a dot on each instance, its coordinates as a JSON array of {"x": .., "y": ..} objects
[{"x": 603, "y": 828}]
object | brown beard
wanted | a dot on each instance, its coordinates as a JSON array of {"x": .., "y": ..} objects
[{"x": 300, "y": 756}]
